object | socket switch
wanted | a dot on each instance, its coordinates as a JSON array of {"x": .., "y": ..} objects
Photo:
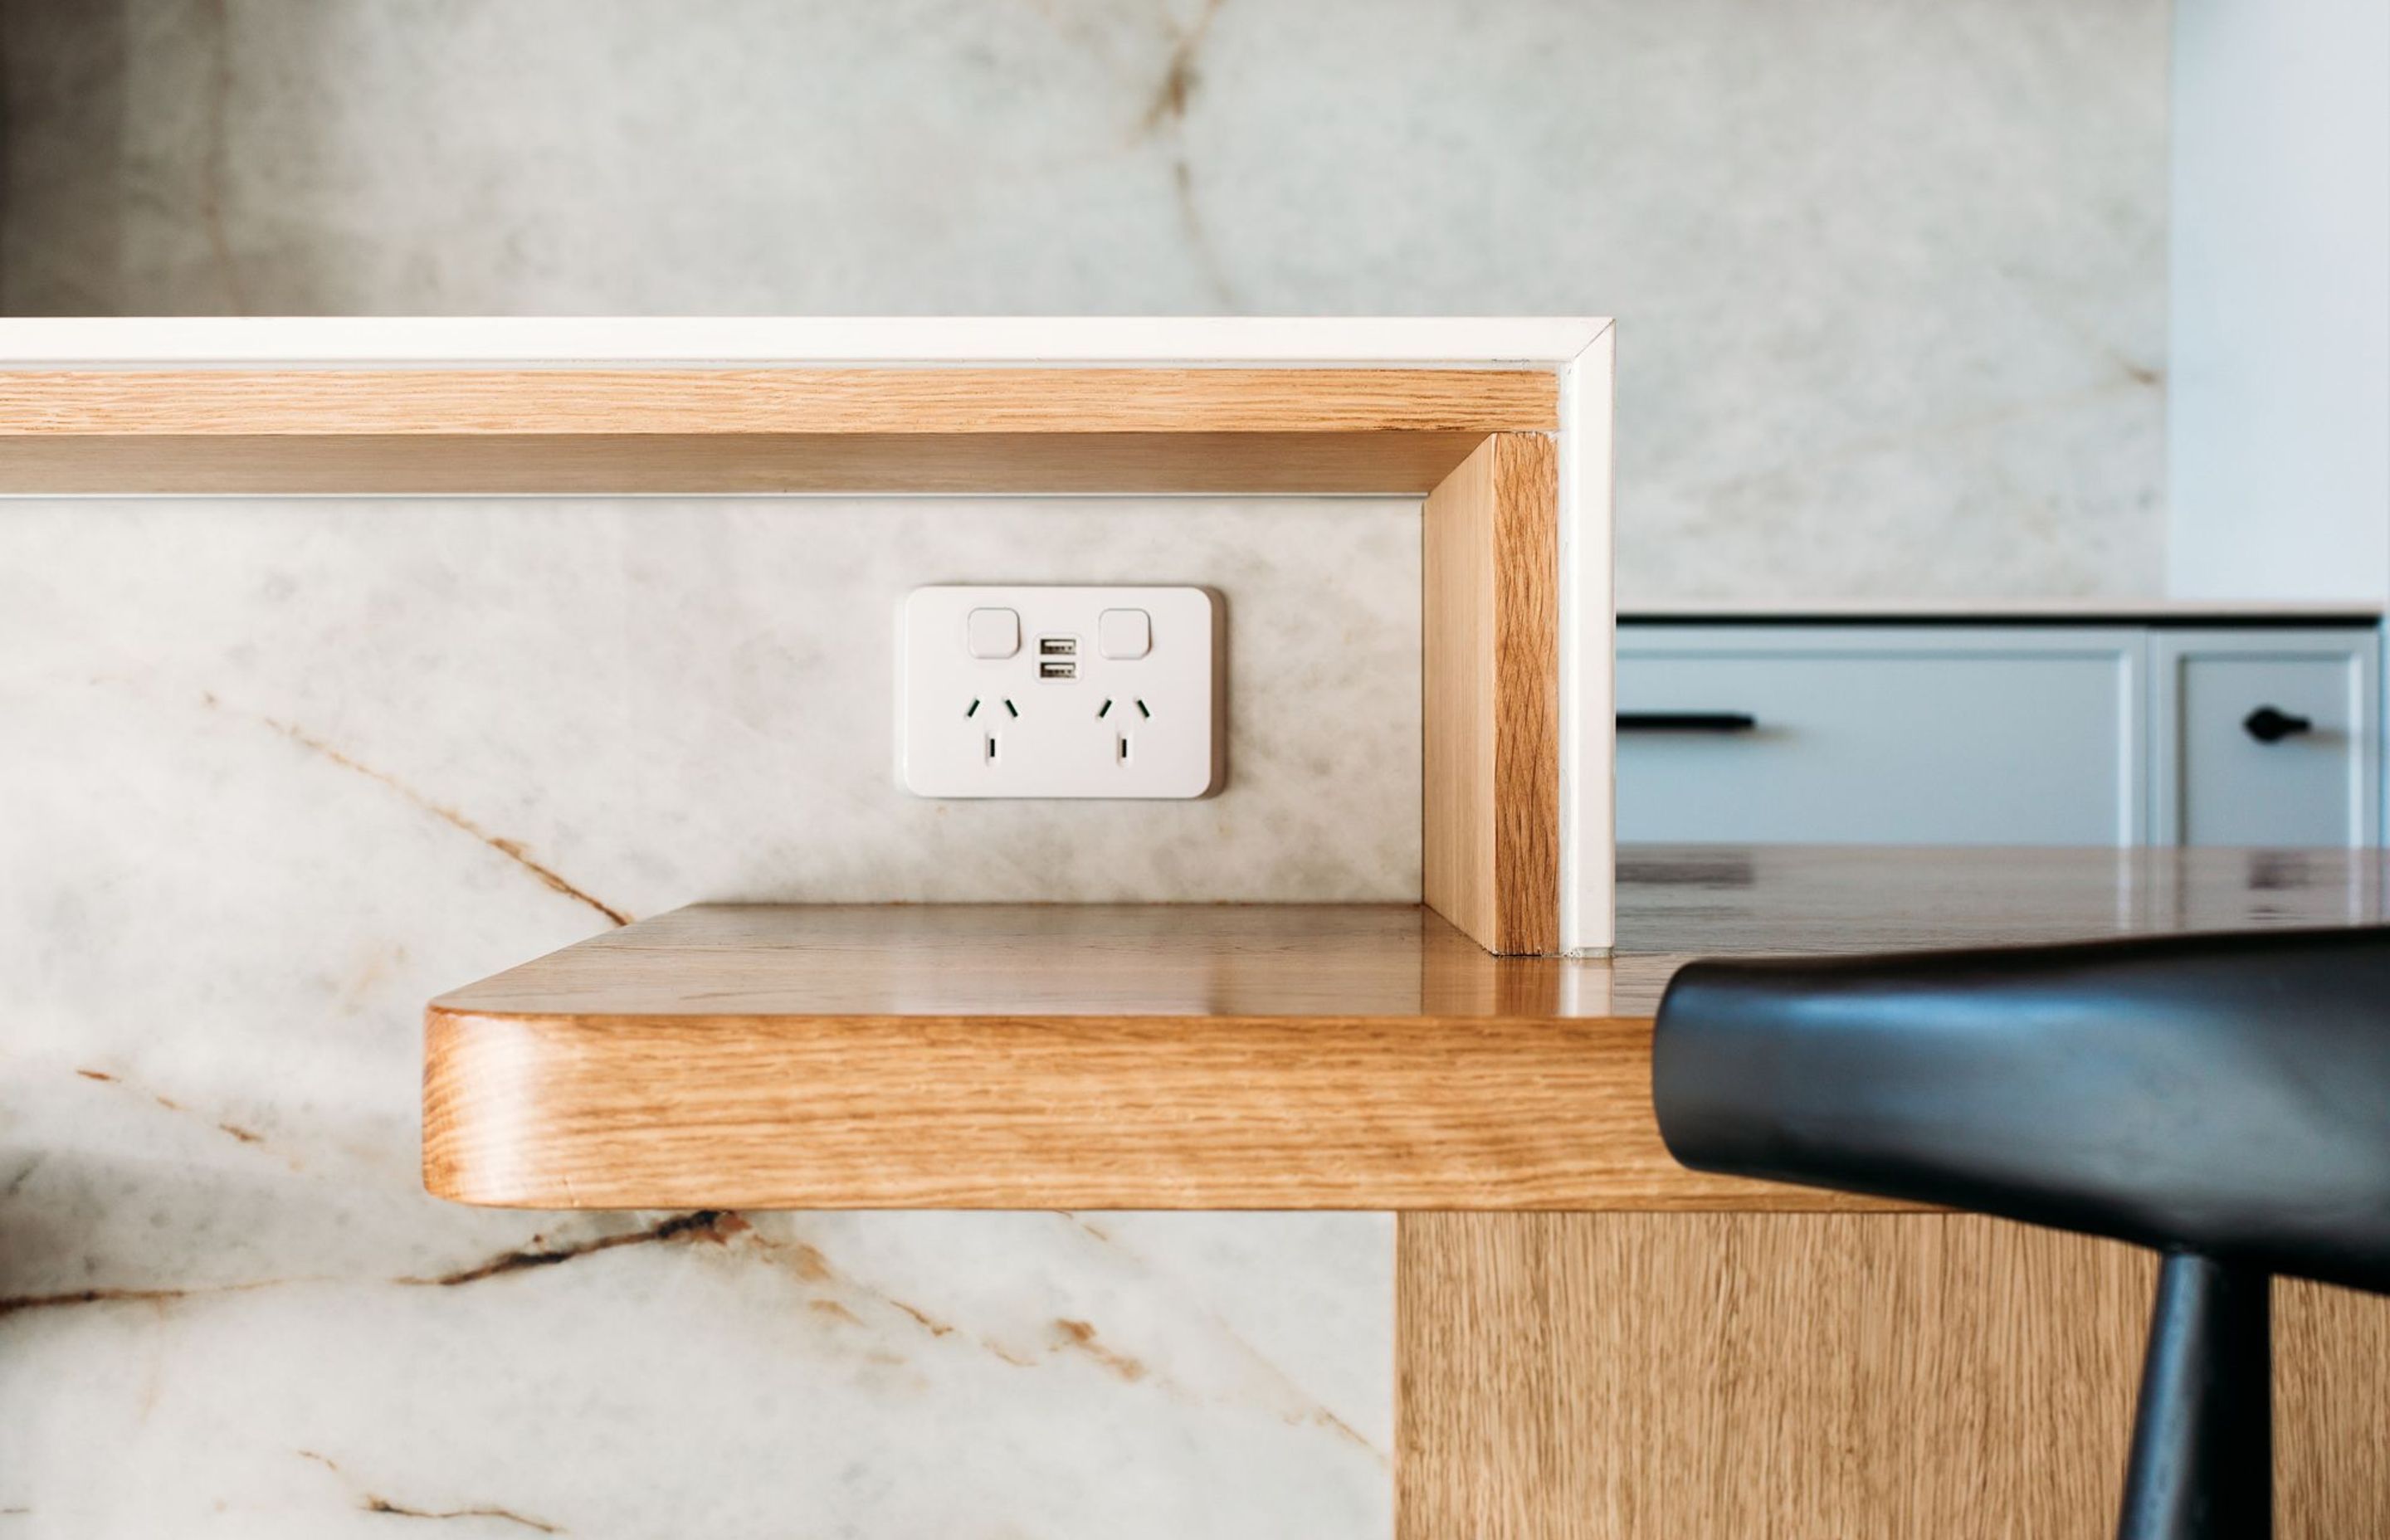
[{"x": 1059, "y": 692}]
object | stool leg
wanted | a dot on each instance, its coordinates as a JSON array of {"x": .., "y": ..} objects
[{"x": 2202, "y": 1463}]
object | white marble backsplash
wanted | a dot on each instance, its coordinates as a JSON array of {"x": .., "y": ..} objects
[
  {"x": 655, "y": 701},
  {"x": 273, "y": 774}
]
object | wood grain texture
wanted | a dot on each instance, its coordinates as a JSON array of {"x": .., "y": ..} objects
[
  {"x": 1490, "y": 696},
  {"x": 1835, "y": 1377},
  {"x": 1086, "y": 1112},
  {"x": 1393, "y": 464},
  {"x": 1365, "y": 1057},
  {"x": 2332, "y": 1412},
  {"x": 1023, "y": 1056},
  {"x": 1066, "y": 1112},
  {"x": 792, "y": 429},
  {"x": 447, "y": 403}
]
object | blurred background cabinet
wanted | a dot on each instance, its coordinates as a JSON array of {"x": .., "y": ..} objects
[
  {"x": 2265, "y": 738},
  {"x": 2027, "y": 732}
]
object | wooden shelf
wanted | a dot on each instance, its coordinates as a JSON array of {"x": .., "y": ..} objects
[
  {"x": 1016, "y": 1056},
  {"x": 796, "y": 430},
  {"x": 1050, "y": 1058},
  {"x": 1366, "y": 1057}
]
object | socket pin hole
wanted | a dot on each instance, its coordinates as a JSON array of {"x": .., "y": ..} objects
[
  {"x": 1142, "y": 711},
  {"x": 1010, "y": 707},
  {"x": 1104, "y": 709},
  {"x": 971, "y": 709}
]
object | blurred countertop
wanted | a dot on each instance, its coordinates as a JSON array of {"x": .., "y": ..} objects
[{"x": 1992, "y": 611}]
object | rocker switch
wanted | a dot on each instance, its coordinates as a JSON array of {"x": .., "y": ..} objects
[
  {"x": 992, "y": 633},
  {"x": 1123, "y": 634}
]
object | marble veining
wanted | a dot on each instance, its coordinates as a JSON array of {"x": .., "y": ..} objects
[
  {"x": 632, "y": 1375},
  {"x": 276, "y": 772},
  {"x": 637, "y": 703}
]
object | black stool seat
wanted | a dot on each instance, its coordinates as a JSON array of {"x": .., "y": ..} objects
[{"x": 2224, "y": 1099}]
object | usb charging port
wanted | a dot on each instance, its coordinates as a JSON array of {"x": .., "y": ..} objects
[
  {"x": 1058, "y": 646},
  {"x": 1058, "y": 671}
]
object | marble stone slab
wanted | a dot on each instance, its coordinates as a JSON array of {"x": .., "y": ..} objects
[{"x": 274, "y": 774}]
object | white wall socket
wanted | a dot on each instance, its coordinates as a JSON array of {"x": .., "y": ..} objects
[{"x": 1059, "y": 692}]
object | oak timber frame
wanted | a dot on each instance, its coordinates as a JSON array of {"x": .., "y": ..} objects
[{"x": 1513, "y": 463}]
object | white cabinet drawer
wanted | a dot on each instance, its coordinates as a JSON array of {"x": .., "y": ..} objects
[
  {"x": 2265, "y": 738},
  {"x": 1892, "y": 735}
]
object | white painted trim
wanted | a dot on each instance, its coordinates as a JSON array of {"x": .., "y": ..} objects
[
  {"x": 1588, "y": 652},
  {"x": 570, "y": 340}
]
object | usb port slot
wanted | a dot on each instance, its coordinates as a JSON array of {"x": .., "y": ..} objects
[
  {"x": 1058, "y": 646},
  {"x": 1058, "y": 671}
]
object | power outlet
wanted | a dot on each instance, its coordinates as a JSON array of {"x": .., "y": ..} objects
[{"x": 1059, "y": 692}]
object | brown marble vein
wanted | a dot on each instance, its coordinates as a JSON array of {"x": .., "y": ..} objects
[
  {"x": 373, "y": 1502},
  {"x": 246, "y": 1135},
  {"x": 715, "y": 1224},
  {"x": 1167, "y": 115},
  {"x": 15, "y": 1303},
  {"x": 1080, "y": 1336},
  {"x": 810, "y": 1265},
  {"x": 511, "y": 848},
  {"x": 1307, "y": 1410}
]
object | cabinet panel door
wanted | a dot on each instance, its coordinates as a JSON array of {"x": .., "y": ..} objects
[
  {"x": 2265, "y": 738},
  {"x": 1882, "y": 735}
]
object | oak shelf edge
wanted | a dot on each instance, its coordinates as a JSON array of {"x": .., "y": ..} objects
[{"x": 1364, "y": 1056}]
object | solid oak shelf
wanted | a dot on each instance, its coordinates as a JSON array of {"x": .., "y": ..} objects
[
  {"x": 1230, "y": 1057},
  {"x": 1045, "y": 1057}
]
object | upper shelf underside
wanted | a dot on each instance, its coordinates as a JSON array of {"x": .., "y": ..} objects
[{"x": 800, "y": 429}]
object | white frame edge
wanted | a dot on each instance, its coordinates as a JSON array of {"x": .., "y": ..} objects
[
  {"x": 1588, "y": 651},
  {"x": 599, "y": 341}
]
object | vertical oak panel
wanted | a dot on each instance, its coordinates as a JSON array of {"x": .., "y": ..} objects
[
  {"x": 1490, "y": 702},
  {"x": 2332, "y": 1412},
  {"x": 1672, "y": 1377}
]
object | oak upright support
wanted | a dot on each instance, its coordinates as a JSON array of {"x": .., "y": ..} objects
[{"x": 1490, "y": 674}]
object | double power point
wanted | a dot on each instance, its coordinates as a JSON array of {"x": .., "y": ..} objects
[{"x": 1059, "y": 692}]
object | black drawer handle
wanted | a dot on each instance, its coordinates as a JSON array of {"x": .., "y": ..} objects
[
  {"x": 2268, "y": 725},
  {"x": 1686, "y": 721}
]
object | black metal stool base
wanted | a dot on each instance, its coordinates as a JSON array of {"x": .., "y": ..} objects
[{"x": 2202, "y": 1463}]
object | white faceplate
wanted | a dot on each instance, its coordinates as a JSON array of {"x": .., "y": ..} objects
[{"x": 1058, "y": 717}]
